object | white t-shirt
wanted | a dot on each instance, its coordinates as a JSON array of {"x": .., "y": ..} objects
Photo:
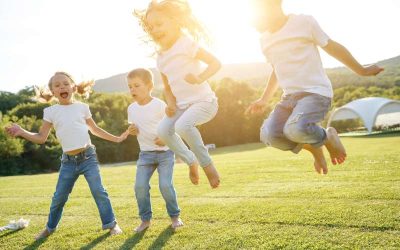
[
  {"x": 69, "y": 122},
  {"x": 146, "y": 118},
  {"x": 293, "y": 53},
  {"x": 179, "y": 61}
]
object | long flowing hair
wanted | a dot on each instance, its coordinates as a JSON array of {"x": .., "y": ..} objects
[
  {"x": 44, "y": 94},
  {"x": 180, "y": 11}
]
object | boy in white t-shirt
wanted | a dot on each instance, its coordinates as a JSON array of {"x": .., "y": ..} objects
[
  {"x": 290, "y": 44},
  {"x": 144, "y": 115}
]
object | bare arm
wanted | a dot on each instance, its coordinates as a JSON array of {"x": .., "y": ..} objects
[
  {"x": 258, "y": 106},
  {"x": 169, "y": 97},
  {"x": 213, "y": 66},
  {"x": 39, "y": 138},
  {"x": 99, "y": 132},
  {"x": 340, "y": 52}
]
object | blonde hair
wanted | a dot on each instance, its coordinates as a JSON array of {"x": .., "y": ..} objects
[
  {"x": 43, "y": 94},
  {"x": 144, "y": 74},
  {"x": 180, "y": 11}
]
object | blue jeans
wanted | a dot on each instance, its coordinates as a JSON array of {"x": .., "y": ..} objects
[
  {"x": 71, "y": 167},
  {"x": 148, "y": 162},
  {"x": 183, "y": 124},
  {"x": 294, "y": 120}
]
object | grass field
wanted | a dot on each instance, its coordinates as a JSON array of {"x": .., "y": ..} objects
[{"x": 268, "y": 199}]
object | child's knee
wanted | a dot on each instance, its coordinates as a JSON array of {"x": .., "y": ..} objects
[
  {"x": 99, "y": 192},
  {"x": 268, "y": 136},
  {"x": 297, "y": 131},
  {"x": 141, "y": 188},
  {"x": 163, "y": 131},
  {"x": 183, "y": 127},
  {"x": 59, "y": 199},
  {"x": 166, "y": 189}
]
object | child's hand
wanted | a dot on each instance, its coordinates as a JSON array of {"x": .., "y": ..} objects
[
  {"x": 371, "y": 70},
  {"x": 159, "y": 142},
  {"x": 14, "y": 130},
  {"x": 193, "y": 79},
  {"x": 257, "y": 106},
  {"x": 123, "y": 136},
  {"x": 133, "y": 130},
  {"x": 170, "y": 110}
]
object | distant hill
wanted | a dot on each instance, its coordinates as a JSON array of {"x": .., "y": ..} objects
[{"x": 257, "y": 73}]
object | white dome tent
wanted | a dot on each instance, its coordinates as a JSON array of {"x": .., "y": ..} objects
[{"x": 367, "y": 109}]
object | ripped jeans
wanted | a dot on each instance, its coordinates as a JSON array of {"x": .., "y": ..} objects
[{"x": 294, "y": 122}]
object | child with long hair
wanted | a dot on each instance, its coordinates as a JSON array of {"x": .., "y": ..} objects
[
  {"x": 72, "y": 120},
  {"x": 175, "y": 31},
  {"x": 290, "y": 44}
]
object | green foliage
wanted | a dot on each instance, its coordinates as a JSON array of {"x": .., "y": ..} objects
[
  {"x": 230, "y": 126},
  {"x": 29, "y": 109}
]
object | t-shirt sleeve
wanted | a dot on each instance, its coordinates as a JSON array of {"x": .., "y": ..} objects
[
  {"x": 190, "y": 47},
  {"x": 86, "y": 111},
  {"x": 130, "y": 115},
  {"x": 318, "y": 35},
  {"x": 47, "y": 115}
]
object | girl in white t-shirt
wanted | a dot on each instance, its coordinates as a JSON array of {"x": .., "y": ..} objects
[
  {"x": 71, "y": 121},
  {"x": 290, "y": 44},
  {"x": 171, "y": 25}
]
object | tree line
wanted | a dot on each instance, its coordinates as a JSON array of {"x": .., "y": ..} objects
[{"x": 230, "y": 126}]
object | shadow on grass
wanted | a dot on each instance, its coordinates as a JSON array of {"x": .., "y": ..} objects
[
  {"x": 36, "y": 244},
  {"x": 164, "y": 236},
  {"x": 9, "y": 233},
  {"x": 131, "y": 242},
  {"x": 96, "y": 241}
]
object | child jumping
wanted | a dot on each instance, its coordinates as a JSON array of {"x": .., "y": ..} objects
[
  {"x": 290, "y": 44},
  {"x": 144, "y": 115},
  {"x": 171, "y": 25},
  {"x": 71, "y": 121}
]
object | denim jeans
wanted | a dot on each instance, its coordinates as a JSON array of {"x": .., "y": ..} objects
[
  {"x": 294, "y": 120},
  {"x": 183, "y": 124},
  {"x": 71, "y": 167},
  {"x": 148, "y": 162}
]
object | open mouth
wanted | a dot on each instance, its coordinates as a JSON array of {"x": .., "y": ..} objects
[
  {"x": 64, "y": 95},
  {"x": 158, "y": 37}
]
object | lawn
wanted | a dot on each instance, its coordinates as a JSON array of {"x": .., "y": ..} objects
[{"x": 268, "y": 199}]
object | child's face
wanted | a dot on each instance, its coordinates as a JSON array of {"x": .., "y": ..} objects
[
  {"x": 138, "y": 89},
  {"x": 164, "y": 30},
  {"x": 62, "y": 88},
  {"x": 264, "y": 13}
]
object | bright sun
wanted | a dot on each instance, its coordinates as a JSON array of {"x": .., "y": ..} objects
[{"x": 230, "y": 28}]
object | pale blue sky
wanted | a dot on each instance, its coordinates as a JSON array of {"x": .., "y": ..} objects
[{"x": 93, "y": 39}]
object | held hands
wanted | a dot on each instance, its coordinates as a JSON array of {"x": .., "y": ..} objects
[
  {"x": 193, "y": 79},
  {"x": 14, "y": 130},
  {"x": 123, "y": 136},
  {"x": 256, "y": 107},
  {"x": 371, "y": 70},
  {"x": 133, "y": 130},
  {"x": 170, "y": 110},
  {"x": 159, "y": 142}
]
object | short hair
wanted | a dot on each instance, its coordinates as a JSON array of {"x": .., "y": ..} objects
[{"x": 144, "y": 74}]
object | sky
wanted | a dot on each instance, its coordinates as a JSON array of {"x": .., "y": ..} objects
[{"x": 94, "y": 39}]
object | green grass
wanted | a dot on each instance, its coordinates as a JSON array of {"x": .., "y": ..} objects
[{"x": 268, "y": 199}]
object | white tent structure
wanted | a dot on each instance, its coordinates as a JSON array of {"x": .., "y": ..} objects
[{"x": 367, "y": 109}]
